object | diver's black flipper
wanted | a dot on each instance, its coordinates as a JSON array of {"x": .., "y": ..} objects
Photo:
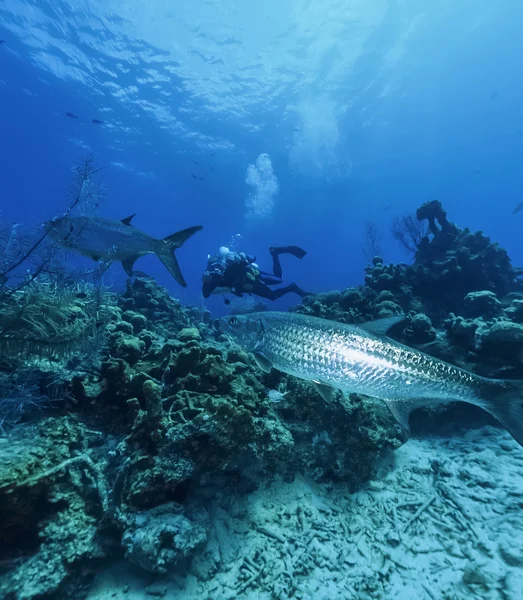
[
  {"x": 297, "y": 290},
  {"x": 506, "y": 406},
  {"x": 128, "y": 264},
  {"x": 166, "y": 248},
  {"x": 294, "y": 250}
]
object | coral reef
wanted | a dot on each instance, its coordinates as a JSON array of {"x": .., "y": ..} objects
[
  {"x": 174, "y": 411},
  {"x": 145, "y": 431}
]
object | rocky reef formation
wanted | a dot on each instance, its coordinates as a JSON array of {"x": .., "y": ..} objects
[
  {"x": 173, "y": 412},
  {"x": 163, "y": 413}
]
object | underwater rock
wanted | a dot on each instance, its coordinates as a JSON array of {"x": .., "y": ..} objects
[
  {"x": 434, "y": 213},
  {"x": 515, "y": 310},
  {"x": 420, "y": 330},
  {"x": 159, "y": 539},
  {"x": 146, "y": 297},
  {"x": 462, "y": 332},
  {"x": 130, "y": 349},
  {"x": 52, "y": 496},
  {"x": 189, "y": 334},
  {"x": 502, "y": 340},
  {"x": 483, "y": 304},
  {"x": 136, "y": 319}
]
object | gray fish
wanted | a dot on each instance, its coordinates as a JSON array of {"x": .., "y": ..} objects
[
  {"x": 363, "y": 360},
  {"x": 111, "y": 241}
]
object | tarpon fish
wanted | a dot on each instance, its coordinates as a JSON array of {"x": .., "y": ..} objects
[
  {"x": 111, "y": 241},
  {"x": 364, "y": 360}
]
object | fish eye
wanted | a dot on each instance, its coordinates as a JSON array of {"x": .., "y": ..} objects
[
  {"x": 71, "y": 227},
  {"x": 233, "y": 321}
]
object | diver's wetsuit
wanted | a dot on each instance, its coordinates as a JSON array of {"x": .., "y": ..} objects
[{"x": 238, "y": 273}]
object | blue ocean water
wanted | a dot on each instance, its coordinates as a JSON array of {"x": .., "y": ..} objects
[
  {"x": 365, "y": 110},
  {"x": 302, "y": 122}
]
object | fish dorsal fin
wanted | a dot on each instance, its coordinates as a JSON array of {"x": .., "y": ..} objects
[
  {"x": 381, "y": 326},
  {"x": 127, "y": 220},
  {"x": 128, "y": 264},
  {"x": 263, "y": 362},
  {"x": 325, "y": 390},
  {"x": 401, "y": 410}
]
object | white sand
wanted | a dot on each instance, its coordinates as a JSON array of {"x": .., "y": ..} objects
[{"x": 443, "y": 520}]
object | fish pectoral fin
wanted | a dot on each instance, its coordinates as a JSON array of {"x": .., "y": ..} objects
[
  {"x": 381, "y": 326},
  {"x": 128, "y": 264},
  {"x": 401, "y": 410},
  {"x": 127, "y": 220},
  {"x": 263, "y": 362},
  {"x": 325, "y": 390}
]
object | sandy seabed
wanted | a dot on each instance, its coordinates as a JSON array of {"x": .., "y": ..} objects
[{"x": 442, "y": 520}]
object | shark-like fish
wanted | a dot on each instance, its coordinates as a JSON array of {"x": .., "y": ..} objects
[
  {"x": 364, "y": 360},
  {"x": 109, "y": 241}
]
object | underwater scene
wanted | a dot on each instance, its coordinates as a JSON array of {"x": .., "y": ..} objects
[{"x": 261, "y": 300}]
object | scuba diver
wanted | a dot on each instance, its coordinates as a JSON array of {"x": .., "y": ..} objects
[{"x": 238, "y": 273}]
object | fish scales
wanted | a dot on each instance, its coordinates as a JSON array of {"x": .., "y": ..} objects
[
  {"x": 362, "y": 359},
  {"x": 354, "y": 360}
]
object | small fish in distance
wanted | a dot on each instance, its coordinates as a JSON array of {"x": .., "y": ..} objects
[
  {"x": 364, "y": 360},
  {"x": 71, "y": 115},
  {"x": 518, "y": 208},
  {"x": 111, "y": 241},
  {"x": 98, "y": 122}
]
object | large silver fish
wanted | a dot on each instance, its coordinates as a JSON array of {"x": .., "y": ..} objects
[
  {"x": 362, "y": 359},
  {"x": 111, "y": 241}
]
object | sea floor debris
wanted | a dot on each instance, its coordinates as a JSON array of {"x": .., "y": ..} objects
[{"x": 442, "y": 519}]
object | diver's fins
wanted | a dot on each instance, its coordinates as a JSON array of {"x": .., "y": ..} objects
[
  {"x": 166, "y": 248},
  {"x": 294, "y": 250},
  {"x": 293, "y": 287}
]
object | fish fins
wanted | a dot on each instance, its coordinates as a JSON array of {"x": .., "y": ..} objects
[
  {"x": 324, "y": 390},
  {"x": 401, "y": 410},
  {"x": 180, "y": 237},
  {"x": 506, "y": 406},
  {"x": 263, "y": 362},
  {"x": 166, "y": 248},
  {"x": 380, "y": 327},
  {"x": 127, "y": 220},
  {"x": 128, "y": 264}
]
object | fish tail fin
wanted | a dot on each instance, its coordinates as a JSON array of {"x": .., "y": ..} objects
[
  {"x": 166, "y": 248},
  {"x": 505, "y": 403}
]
